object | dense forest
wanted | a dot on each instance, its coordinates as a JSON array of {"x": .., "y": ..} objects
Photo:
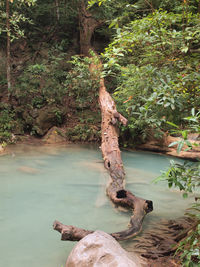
[{"x": 150, "y": 56}]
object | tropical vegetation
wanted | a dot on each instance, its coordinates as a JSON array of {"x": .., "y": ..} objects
[{"x": 150, "y": 52}]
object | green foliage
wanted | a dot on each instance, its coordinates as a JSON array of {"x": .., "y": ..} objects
[
  {"x": 185, "y": 176},
  {"x": 17, "y": 18},
  {"x": 155, "y": 64},
  {"x": 183, "y": 140},
  {"x": 42, "y": 84},
  {"x": 52, "y": 23},
  {"x": 192, "y": 127},
  {"x": 82, "y": 84},
  {"x": 123, "y": 11},
  {"x": 7, "y": 123},
  {"x": 189, "y": 247},
  {"x": 83, "y": 132},
  {"x": 194, "y": 121},
  {"x": 146, "y": 99}
]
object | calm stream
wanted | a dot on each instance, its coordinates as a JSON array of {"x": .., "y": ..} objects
[{"x": 40, "y": 184}]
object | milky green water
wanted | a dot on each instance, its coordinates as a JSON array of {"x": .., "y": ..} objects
[{"x": 67, "y": 183}]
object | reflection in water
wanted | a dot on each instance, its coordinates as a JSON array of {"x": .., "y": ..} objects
[
  {"x": 67, "y": 183},
  {"x": 27, "y": 169}
]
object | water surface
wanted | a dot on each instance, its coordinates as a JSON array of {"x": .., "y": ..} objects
[{"x": 67, "y": 183}]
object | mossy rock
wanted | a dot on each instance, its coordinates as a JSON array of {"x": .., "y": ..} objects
[
  {"x": 27, "y": 118},
  {"x": 49, "y": 117},
  {"x": 55, "y": 136}
]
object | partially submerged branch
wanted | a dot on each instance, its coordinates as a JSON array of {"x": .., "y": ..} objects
[
  {"x": 69, "y": 232},
  {"x": 141, "y": 208}
]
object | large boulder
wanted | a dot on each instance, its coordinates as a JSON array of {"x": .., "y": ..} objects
[
  {"x": 47, "y": 118},
  {"x": 100, "y": 249},
  {"x": 39, "y": 121}
]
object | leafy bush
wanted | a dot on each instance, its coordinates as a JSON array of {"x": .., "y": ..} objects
[
  {"x": 189, "y": 247},
  {"x": 43, "y": 83},
  {"x": 83, "y": 133},
  {"x": 82, "y": 84},
  {"x": 186, "y": 176},
  {"x": 155, "y": 62},
  {"x": 7, "y": 123}
]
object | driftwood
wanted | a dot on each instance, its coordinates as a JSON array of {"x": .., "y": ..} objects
[
  {"x": 113, "y": 163},
  {"x": 109, "y": 147}
]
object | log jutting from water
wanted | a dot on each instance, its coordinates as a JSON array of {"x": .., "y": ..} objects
[
  {"x": 109, "y": 147},
  {"x": 113, "y": 163}
]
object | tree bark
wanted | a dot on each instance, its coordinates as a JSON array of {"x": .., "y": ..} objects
[
  {"x": 8, "y": 47},
  {"x": 113, "y": 163},
  {"x": 87, "y": 25},
  {"x": 57, "y": 10},
  {"x": 111, "y": 156}
]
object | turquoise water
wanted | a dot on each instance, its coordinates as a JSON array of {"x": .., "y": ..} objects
[{"x": 67, "y": 183}]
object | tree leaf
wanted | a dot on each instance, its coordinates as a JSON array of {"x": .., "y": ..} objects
[
  {"x": 172, "y": 124},
  {"x": 173, "y": 144},
  {"x": 180, "y": 146},
  {"x": 185, "y": 195},
  {"x": 184, "y": 49}
]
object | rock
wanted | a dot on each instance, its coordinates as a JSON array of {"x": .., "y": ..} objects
[
  {"x": 162, "y": 145},
  {"x": 54, "y": 136},
  {"x": 27, "y": 118},
  {"x": 39, "y": 121},
  {"x": 34, "y": 113},
  {"x": 1, "y": 149},
  {"x": 100, "y": 249},
  {"x": 48, "y": 117}
]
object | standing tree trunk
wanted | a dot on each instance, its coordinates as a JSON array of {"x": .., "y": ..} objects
[
  {"x": 8, "y": 46},
  {"x": 57, "y": 10},
  {"x": 87, "y": 25},
  {"x": 110, "y": 151}
]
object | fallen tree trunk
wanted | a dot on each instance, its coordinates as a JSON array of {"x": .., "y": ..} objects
[
  {"x": 109, "y": 147},
  {"x": 113, "y": 163}
]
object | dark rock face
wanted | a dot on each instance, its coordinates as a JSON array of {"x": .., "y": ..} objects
[
  {"x": 41, "y": 120},
  {"x": 46, "y": 119}
]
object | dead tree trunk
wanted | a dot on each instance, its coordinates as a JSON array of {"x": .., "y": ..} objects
[{"x": 112, "y": 162}]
